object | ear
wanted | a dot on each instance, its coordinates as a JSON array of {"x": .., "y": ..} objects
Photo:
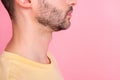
[{"x": 24, "y": 3}]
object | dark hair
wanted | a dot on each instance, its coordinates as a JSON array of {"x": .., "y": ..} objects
[{"x": 9, "y": 5}]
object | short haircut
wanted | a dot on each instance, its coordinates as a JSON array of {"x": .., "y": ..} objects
[{"x": 9, "y": 5}]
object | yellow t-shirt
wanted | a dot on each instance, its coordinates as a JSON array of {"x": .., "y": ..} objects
[{"x": 15, "y": 67}]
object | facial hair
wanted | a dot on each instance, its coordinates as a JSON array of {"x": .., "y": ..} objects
[{"x": 53, "y": 17}]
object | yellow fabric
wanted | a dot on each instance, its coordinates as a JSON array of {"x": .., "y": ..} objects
[{"x": 15, "y": 67}]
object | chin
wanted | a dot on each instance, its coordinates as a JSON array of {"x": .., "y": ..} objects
[
  {"x": 67, "y": 25},
  {"x": 60, "y": 28},
  {"x": 64, "y": 25}
]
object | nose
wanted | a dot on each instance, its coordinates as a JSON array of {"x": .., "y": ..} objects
[{"x": 71, "y": 2}]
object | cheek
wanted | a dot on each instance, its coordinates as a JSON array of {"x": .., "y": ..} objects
[{"x": 58, "y": 3}]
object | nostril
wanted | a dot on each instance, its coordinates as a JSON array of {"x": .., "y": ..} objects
[{"x": 72, "y": 2}]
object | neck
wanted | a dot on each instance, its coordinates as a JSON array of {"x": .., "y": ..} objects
[{"x": 30, "y": 41}]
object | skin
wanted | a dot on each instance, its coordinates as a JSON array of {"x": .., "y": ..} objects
[{"x": 31, "y": 36}]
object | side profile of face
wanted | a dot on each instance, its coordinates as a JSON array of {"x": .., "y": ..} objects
[{"x": 55, "y": 14}]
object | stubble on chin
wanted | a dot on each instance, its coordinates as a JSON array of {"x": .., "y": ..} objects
[{"x": 52, "y": 17}]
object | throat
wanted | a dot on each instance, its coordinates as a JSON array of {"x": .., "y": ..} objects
[{"x": 31, "y": 47}]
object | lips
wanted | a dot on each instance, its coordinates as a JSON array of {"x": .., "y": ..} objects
[{"x": 69, "y": 13}]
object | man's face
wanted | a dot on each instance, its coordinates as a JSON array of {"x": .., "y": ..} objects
[{"x": 55, "y": 14}]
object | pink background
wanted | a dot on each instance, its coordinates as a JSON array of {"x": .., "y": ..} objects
[{"x": 90, "y": 48}]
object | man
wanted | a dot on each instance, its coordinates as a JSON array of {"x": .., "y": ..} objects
[{"x": 26, "y": 56}]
